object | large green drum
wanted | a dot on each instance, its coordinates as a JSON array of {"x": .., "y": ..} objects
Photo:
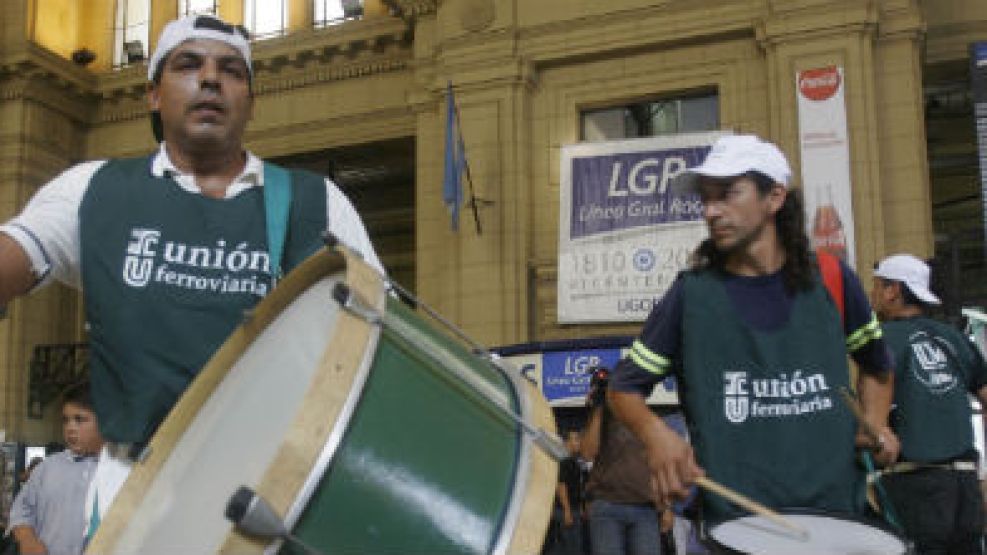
[{"x": 364, "y": 428}]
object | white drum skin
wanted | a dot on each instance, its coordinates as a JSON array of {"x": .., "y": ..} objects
[{"x": 827, "y": 535}]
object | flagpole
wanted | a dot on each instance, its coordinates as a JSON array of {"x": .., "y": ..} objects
[{"x": 466, "y": 163}]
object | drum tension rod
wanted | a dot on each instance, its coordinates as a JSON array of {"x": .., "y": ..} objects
[
  {"x": 253, "y": 515},
  {"x": 352, "y": 303}
]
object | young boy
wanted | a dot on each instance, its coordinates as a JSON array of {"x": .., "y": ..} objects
[{"x": 48, "y": 514}]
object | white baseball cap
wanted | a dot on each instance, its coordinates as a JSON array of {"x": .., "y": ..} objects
[
  {"x": 911, "y": 271},
  {"x": 734, "y": 155},
  {"x": 198, "y": 27}
]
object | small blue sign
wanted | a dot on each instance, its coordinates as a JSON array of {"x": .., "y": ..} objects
[{"x": 566, "y": 374}]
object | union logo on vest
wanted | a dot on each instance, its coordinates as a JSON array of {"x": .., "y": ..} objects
[
  {"x": 932, "y": 369},
  {"x": 139, "y": 262},
  {"x": 781, "y": 396},
  {"x": 214, "y": 268}
]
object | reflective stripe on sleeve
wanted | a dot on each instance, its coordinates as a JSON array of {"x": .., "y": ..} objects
[
  {"x": 648, "y": 360},
  {"x": 864, "y": 334}
]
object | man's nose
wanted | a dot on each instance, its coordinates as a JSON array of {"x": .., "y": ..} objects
[{"x": 209, "y": 75}]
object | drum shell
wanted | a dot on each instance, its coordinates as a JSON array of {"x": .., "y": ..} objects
[
  {"x": 426, "y": 466},
  {"x": 368, "y": 445}
]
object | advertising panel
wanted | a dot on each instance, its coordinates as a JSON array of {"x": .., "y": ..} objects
[
  {"x": 825, "y": 151},
  {"x": 623, "y": 234}
]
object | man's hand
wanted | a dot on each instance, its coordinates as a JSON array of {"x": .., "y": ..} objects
[
  {"x": 567, "y": 519},
  {"x": 673, "y": 466},
  {"x": 885, "y": 450}
]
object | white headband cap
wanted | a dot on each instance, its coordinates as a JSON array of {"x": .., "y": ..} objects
[
  {"x": 735, "y": 155},
  {"x": 198, "y": 27}
]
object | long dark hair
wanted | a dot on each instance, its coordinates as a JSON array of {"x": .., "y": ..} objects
[{"x": 790, "y": 224}]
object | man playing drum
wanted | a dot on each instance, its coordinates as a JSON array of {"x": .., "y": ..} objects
[
  {"x": 758, "y": 347},
  {"x": 170, "y": 249},
  {"x": 934, "y": 489}
]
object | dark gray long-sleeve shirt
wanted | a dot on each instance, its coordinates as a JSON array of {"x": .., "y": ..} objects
[{"x": 52, "y": 502}]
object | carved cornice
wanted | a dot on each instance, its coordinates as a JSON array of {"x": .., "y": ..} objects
[
  {"x": 411, "y": 9},
  {"x": 43, "y": 77},
  {"x": 36, "y": 65},
  {"x": 631, "y": 30},
  {"x": 824, "y": 20}
]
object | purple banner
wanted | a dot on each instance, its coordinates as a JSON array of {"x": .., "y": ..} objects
[{"x": 614, "y": 192}]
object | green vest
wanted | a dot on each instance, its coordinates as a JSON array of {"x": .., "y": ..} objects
[
  {"x": 765, "y": 413},
  {"x": 932, "y": 414},
  {"x": 166, "y": 276}
]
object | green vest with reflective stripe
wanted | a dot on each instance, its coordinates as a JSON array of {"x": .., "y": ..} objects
[
  {"x": 932, "y": 414},
  {"x": 167, "y": 275},
  {"x": 766, "y": 417}
]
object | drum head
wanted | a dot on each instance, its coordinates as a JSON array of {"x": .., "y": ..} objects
[{"x": 828, "y": 534}]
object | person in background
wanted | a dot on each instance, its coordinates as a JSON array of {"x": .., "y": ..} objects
[
  {"x": 568, "y": 515},
  {"x": 934, "y": 488},
  {"x": 48, "y": 515},
  {"x": 623, "y": 519}
]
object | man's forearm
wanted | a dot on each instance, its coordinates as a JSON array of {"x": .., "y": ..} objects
[
  {"x": 16, "y": 277},
  {"x": 633, "y": 411},
  {"x": 876, "y": 395}
]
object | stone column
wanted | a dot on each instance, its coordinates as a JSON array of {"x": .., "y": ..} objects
[
  {"x": 877, "y": 44},
  {"x": 42, "y": 122},
  {"x": 476, "y": 277}
]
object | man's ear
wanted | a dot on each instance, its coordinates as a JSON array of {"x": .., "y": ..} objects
[
  {"x": 776, "y": 197},
  {"x": 153, "y": 97}
]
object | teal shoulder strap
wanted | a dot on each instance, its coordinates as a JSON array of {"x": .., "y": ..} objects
[{"x": 277, "y": 201}]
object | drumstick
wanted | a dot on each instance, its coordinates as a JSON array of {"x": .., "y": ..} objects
[
  {"x": 859, "y": 414},
  {"x": 751, "y": 505}
]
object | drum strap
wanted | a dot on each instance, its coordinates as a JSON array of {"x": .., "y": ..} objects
[{"x": 277, "y": 201}]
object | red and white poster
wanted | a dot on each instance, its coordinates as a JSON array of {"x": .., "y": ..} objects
[{"x": 825, "y": 150}]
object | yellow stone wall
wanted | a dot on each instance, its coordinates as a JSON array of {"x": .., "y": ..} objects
[{"x": 522, "y": 72}]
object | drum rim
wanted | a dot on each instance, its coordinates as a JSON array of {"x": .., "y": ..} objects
[
  {"x": 534, "y": 511},
  {"x": 322, "y": 454},
  {"x": 522, "y": 475},
  {"x": 813, "y": 511},
  {"x": 331, "y": 446}
]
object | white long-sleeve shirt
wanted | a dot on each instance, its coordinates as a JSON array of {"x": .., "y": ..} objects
[{"x": 48, "y": 227}]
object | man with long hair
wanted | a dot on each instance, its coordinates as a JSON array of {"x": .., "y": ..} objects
[{"x": 759, "y": 350}]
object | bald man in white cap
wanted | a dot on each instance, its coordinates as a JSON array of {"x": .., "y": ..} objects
[
  {"x": 171, "y": 248},
  {"x": 757, "y": 342},
  {"x": 934, "y": 488}
]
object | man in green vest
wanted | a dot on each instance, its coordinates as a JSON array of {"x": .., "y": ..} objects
[
  {"x": 757, "y": 345},
  {"x": 934, "y": 488},
  {"x": 171, "y": 248}
]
